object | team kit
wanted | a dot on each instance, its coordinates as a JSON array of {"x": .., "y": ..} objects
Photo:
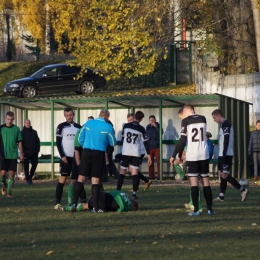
[{"x": 83, "y": 152}]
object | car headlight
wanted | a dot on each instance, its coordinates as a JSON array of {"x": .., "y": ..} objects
[{"x": 14, "y": 85}]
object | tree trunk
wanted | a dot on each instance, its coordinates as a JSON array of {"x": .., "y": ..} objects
[{"x": 242, "y": 56}]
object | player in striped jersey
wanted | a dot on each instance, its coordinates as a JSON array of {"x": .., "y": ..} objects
[
  {"x": 133, "y": 135},
  {"x": 225, "y": 157},
  {"x": 193, "y": 132}
]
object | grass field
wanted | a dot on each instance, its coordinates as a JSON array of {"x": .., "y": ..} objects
[{"x": 161, "y": 229}]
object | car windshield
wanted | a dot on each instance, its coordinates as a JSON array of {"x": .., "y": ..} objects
[{"x": 38, "y": 73}]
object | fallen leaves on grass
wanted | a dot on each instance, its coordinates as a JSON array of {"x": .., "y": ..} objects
[
  {"x": 154, "y": 243},
  {"x": 73, "y": 247},
  {"x": 253, "y": 224},
  {"x": 49, "y": 253},
  {"x": 238, "y": 227},
  {"x": 162, "y": 236}
]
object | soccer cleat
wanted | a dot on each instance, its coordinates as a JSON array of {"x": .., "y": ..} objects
[
  {"x": 29, "y": 182},
  {"x": 194, "y": 213},
  {"x": 98, "y": 211},
  {"x": 58, "y": 207},
  {"x": 244, "y": 194},
  {"x": 147, "y": 185},
  {"x": 73, "y": 208},
  {"x": 3, "y": 191},
  {"x": 211, "y": 212},
  {"x": 68, "y": 208},
  {"x": 218, "y": 199},
  {"x": 9, "y": 196},
  {"x": 191, "y": 207}
]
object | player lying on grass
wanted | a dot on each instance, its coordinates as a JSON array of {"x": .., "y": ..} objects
[{"x": 109, "y": 201}]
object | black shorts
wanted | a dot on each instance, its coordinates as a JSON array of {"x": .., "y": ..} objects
[
  {"x": 8, "y": 164},
  {"x": 75, "y": 170},
  {"x": 225, "y": 167},
  {"x": 65, "y": 168},
  {"x": 197, "y": 168},
  {"x": 92, "y": 163},
  {"x": 132, "y": 161},
  {"x": 106, "y": 202}
]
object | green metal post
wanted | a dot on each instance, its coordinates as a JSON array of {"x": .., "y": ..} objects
[
  {"x": 52, "y": 140},
  {"x": 106, "y": 105},
  {"x": 190, "y": 61},
  {"x": 161, "y": 132},
  {"x": 78, "y": 115},
  {"x": 25, "y": 114},
  {"x": 132, "y": 109}
]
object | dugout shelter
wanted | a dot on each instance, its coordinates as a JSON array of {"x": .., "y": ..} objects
[{"x": 42, "y": 111}]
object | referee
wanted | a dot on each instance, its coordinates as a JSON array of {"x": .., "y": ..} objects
[{"x": 94, "y": 137}]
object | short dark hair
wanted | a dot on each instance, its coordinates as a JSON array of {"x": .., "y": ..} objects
[
  {"x": 151, "y": 116},
  {"x": 10, "y": 113},
  {"x": 217, "y": 112},
  {"x": 180, "y": 111},
  {"x": 68, "y": 109},
  {"x": 134, "y": 205},
  {"x": 130, "y": 114},
  {"x": 90, "y": 117},
  {"x": 139, "y": 115},
  {"x": 258, "y": 121}
]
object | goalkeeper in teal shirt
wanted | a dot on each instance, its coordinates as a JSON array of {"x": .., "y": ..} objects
[{"x": 116, "y": 200}]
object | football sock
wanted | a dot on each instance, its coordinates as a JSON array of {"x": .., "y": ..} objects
[
  {"x": 208, "y": 196},
  {"x": 10, "y": 185},
  {"x": 142, "y": 177},
  {"x": 3, "y": 180},
  {"x": 199, "y": 200},
  {"x": 178, "y": 170},
  {"x": 70, "y": 194},
  {"x": 223, "y": 187},
  {"x": 77, "y": 191},
  {"x": 233, "y": 182},
  {"x": 95, "y": 195},
  {"x": 135, "y": 182},
  {"x": 195, "y": 196},
  {"x": 59, "y": 191},
  {"x": 120, "y": 181},
  {"x": 80, "y": 207},
  {"x": 83, "y": 196}
]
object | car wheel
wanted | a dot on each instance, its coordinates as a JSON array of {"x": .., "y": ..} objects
[
  {"x": 29, "y": 92},
  {"x": 87, "y": 87}
]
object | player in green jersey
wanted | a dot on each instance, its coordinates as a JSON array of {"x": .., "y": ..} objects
[
  {"x": 10, "y": 136},
  {"x": 110, "y": 201}
]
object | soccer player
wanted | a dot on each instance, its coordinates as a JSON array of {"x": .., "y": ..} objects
[
  {"x": 130, "y": 118},
  {"x": 225, "y": 156},
  {"x": 179, "y": 171},
  {"x": 65, "y": 134},
  {"x": 133, "y": 135},
  {"x": 193, "y": 132},
  {"x": 10, "y": 137},
  {"x": 111, "y": 201},
  {"x": 94, "y": 138}
]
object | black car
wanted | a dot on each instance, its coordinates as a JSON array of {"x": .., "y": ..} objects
[{"x": 53, "y": 79}]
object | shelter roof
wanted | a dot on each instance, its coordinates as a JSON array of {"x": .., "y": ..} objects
[{"x": 114, "y": 101}]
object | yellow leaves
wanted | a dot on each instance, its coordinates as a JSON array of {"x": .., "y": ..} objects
[{"x": 49, "y": 253}]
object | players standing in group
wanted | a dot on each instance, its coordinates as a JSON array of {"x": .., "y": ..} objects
[
  {"x": 193, "y": 132},
  {"x": 133, "y": 134},
  {"x": 225, "y": 157},
  {"x": 65, "y": 135}
]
